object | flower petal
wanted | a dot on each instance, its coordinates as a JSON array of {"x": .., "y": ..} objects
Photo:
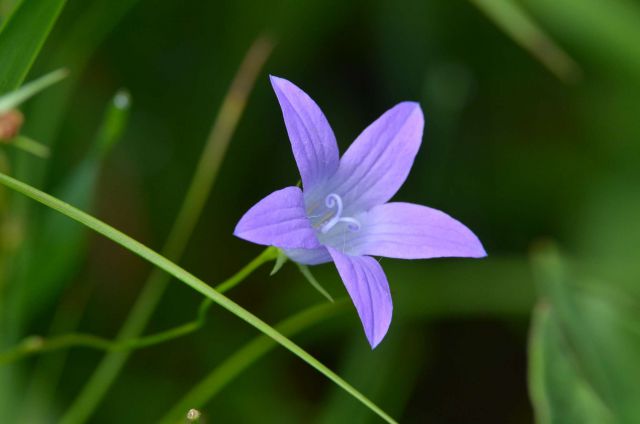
[
  {"x": 316, "y": 256},
  {"x": 279, "y": 220},
  {"x": 408, "y": 231},
  {"x": 379, "y": 160},
  {"x": 312, "y": 139},
  {"x": 367, "y": 285}
]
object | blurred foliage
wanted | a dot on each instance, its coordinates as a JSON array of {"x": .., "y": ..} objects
[{"x": 509, "y": 149}]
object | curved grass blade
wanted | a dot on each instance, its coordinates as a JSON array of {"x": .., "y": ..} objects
[
  {"x": 515, "y": 22},
  {"x": 244, "y": 357},
  {"x": 187, "y": 278}
]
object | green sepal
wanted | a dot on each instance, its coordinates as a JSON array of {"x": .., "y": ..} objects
[
  {"x": 281, "y": 259},
  {"x": 306, "y": 272}
]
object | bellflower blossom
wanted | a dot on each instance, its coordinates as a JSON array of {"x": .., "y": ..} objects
[{"x": 342, "y": 214}]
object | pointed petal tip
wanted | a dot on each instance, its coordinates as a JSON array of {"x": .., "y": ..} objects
[
  {"x": 278, "y": 82},
  {"x": 376, "y": 335},
  {"x": 481, "y": 253},
  {"x": 476, "y": 249},
  {"x": 374, "y": 341},
  {"x": 413, "y": 107}
]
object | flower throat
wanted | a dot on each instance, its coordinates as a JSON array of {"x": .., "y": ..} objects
[{"x": 335, "y": 201}]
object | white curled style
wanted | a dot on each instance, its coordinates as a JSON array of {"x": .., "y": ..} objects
[{"x": 335, "y": 201}]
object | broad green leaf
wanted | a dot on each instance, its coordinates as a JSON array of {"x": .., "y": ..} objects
[
  {"x": 189, "y": 279},
  {"x": 600, "y": 324},
  {"x": 558, "y": 390},
  {"x": 22, "y": 37}
]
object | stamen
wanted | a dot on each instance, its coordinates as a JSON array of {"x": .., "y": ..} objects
[{"x": 335, "y": 201}]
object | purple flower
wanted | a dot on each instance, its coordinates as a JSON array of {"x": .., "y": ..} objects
[{"x": 342, "y": 215}]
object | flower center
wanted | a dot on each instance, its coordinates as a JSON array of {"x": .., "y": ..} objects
[{"x": 335, "y": 201}]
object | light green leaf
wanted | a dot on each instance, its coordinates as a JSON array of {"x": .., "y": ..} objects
[
  {"x": 189, "y": 279},
  {"x": 600, "y": 326},
  {"x": 558, "y": 390}
]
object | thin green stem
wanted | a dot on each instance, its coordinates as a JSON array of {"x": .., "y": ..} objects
[
  {"x": 244, "y": 357},
  {"x": 34, "y": 345},
  {"x": 187, "y": 278},
  {"x": 190, "y": 211}
]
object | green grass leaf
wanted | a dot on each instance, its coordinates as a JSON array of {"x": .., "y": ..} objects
[
  {"x": 189, "y": 279},
  {"x": 22, "y": 37}
]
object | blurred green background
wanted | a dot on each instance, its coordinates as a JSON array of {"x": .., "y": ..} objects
[{"x": 532, "y": 140}]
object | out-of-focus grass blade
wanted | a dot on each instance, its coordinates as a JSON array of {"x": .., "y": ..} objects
[
  {"x": 203, "y": 179},
  {"x": 59, "y": 243},
  {"x": 21, "y": 38},
  {"x": 227, "y": 371},
  {"x": 514, "y": 21},
  {"x": 601, "y": 328},
  {"x": 190, "y": 280},
  {"x": 16, "y": 97},
  {"x": 558, "y": 391},
  {"x": 607, "y": 31},
  {"x": 396, "y": 369},
  {"x": 22, "y": 35},
  {"x": 30, "y": 146}
]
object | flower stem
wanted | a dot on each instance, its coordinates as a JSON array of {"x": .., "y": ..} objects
[{"x": 34, "y": 345}]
